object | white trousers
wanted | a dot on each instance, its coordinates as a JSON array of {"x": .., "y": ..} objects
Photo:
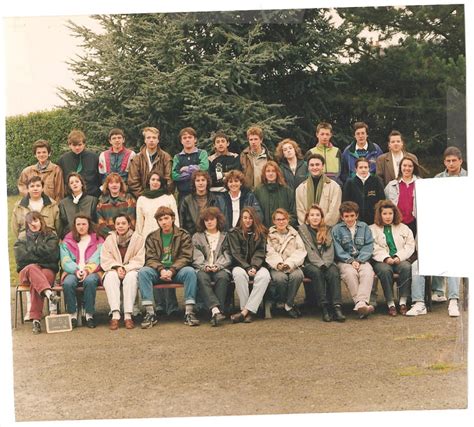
[
  {"x": 111, "y": 284},
  {"x": 250, "y": 300}
]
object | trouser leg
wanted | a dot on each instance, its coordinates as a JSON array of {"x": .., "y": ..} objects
[
  {"x": 294, "y": 282},
  {"x": 333, "y": 285},
  {"x": 384, "y": 272},
  {"x": 39, "y": 280},
  {"x": 221, "y": 285},
  {"x": 318, "y": 283},
  {"x": 130, "y": 286},
  {"x": 453, "y": 287},
  {"x": 205, "y": 289},
  {"x": 260, "y": 284},
  {"x": 147, "y": 277},
  {"x": 69, "y": 288},
  {"x": 277, "y": 288},
  {"x": 404, "y": 278},
  {"x": 241, "y": 281},
  {"x": 187, "y": 276},
  {"x": 437, "y": 285},
  {"x": 90, "y": 284},
  {"x": 112, "y": 290}
]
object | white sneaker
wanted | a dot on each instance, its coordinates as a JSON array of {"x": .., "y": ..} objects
[
  {"x": 438, "y": 298},
  {"x": 417, "y": 309},
  {"x": 453, "y": 309}
]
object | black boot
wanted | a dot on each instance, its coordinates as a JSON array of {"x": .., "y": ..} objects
[
  {"x": 338, "y": 316},
  {"x": 325, "y": 313}
]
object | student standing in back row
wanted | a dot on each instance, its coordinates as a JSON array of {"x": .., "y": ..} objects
[
  {"x": 359, "y": 148},
  {"x": 81, "y": 161},
  {"x": 254, "y": 157},
  {"x": 187, "y": 161},
  {"x": 221, "y": 162},
  {"x": 50, "y": 173},
  {"x": 388, "y": 164},
  {"x": 117, "y": 158},
  {"x": 331, "y": 154},
  {"x": 150, "y": 159}
]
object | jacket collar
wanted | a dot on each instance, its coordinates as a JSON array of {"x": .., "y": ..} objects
[{"x": 26, "y": 200}]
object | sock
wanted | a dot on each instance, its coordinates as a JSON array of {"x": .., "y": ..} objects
[
  {"x": 89, "y": 316},
  {"x": 47, "y": 293},
  {"x": 149, "y": 309},
  {"x": 215, "y": 310},
  {"x": 115, "y": 315},
  {"x": 403, "y": 301},
  {"x": 391, "y": 303},
  {"x": 189, "y": 308},
  {"x": 287, "y": 307},
  {"x": 127, "y": 316},
  {"x": 73, "y": 315}
]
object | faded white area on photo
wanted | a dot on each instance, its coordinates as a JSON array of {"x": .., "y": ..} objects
[
  {"x": 33, "y": 53},
  {"x": 443, "y": 211}
]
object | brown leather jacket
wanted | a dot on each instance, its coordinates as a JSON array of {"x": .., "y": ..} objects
[
  {"x": 181, "y": 250},
  {"x": 139, "y": 171}
]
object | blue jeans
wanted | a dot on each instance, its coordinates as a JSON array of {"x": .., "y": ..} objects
[
  {"x": 90, "y": 286},
  {"x": 147, "y": 277},
  {"x": 418, "y": 285}
]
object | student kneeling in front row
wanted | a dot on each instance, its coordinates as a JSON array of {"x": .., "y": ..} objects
[{"x": 169, "y": 253}]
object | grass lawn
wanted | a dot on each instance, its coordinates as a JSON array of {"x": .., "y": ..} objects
[{"x": 11, "y": 200}]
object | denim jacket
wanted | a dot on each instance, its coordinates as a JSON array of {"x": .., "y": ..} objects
[{"x": 347, "y": 250}]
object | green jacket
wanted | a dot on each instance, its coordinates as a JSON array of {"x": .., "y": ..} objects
[{"x": 273, "y": 196}]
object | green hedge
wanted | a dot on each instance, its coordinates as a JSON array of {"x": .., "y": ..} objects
[{"x": 22, "y": 131}]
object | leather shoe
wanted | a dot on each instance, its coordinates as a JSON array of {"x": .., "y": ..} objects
[
  {"x": 90, "y": 323},
  {"x": 392, "y": 311},
  {"x": 237, "y": 317},
  {"x": 248, "y": 318},
  {"x": 292, "y": 313},
  {"x": 129, "y": 324},
  {"x": 403, "y": 309},
  {"x": 325, "y": 314},
  {"x": 114, "y": 324},
  {"x": 338, "y": 316}
]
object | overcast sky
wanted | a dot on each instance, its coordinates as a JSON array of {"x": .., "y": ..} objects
[{"x": 37, "y": 49}]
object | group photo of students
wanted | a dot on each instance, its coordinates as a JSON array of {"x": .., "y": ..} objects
[{"x": 257, "y": 223}]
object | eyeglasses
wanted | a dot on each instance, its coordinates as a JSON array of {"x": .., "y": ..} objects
[{"x": 280, "y": 219}]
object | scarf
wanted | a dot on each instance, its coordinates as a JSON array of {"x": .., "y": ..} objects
[
  {"x": 42, "y": 169},
  {"x": 312, "y": 196},
  {"x": 124, "y": 240},
  {"x": 75, "y": 199},
  {"x": 32, "y": 235},
  {"x": 153, "y": 194}
]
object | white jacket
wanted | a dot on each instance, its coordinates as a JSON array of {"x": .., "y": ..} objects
[
  {"x": 403, "y": 238},
  {"x": 285, "y": 248}
]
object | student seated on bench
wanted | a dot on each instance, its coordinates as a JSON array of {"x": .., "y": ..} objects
[
  {"x": 123, "y": 254},
  {"x": 36, "y": 255},
  {"x": 168, "y": 257}
]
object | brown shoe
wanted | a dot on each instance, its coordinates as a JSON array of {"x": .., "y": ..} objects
[
  {"x": 392, "y": 311},
  {"x": 248, "y": 318},
  {"x": 114, "y": 324},
  {"x": 129, "y": 324},
  {"x": 237, "y": 318},
  {"x": 403, "y": 309}
]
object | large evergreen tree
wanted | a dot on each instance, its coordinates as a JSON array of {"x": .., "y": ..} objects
[{"x": 206, "y": 70}]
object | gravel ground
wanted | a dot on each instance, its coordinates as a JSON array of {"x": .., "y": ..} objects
[{"x": 275, "y": 366}]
